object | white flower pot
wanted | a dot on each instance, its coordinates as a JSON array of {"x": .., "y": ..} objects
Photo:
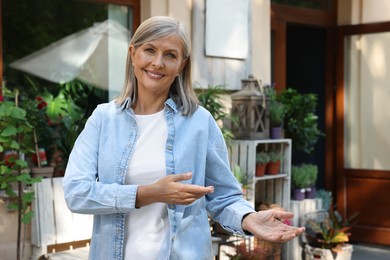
[{"x": 316, "y": 253}]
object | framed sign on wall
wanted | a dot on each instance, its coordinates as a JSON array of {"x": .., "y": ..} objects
[{"x": 227, "y": 28}]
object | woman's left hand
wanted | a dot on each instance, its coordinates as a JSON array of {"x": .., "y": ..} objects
[{"x": 267, "y": 224}]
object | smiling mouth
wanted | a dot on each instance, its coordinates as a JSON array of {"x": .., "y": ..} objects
[{"x": 154, "y": 74}]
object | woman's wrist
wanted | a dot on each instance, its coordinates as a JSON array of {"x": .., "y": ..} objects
[{"x": 145, "y": 196}]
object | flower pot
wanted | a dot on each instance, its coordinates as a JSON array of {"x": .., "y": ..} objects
[
  {"x": 276, "y": 132},
  {"x": 273, "y": 167},
  {"x": 310, "y": 192},
  {"x": 298, "y": 194},
  {"x": 312, "y": 253},
  {"x": 260, "y": 169}
]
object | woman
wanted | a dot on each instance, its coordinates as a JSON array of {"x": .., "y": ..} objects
[{"x": 152, "y": 165}]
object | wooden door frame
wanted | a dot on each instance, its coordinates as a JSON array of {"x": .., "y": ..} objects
[
  {"x": 342, "y": 173},
  {"x": 281, "y": 16},
  {"x": 135, "y": 4}
]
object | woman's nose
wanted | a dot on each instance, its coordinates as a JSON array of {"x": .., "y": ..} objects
[{"x": 158, "y": 61}]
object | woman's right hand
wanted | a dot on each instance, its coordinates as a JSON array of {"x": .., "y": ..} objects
[{"x": 170, "y": 190}]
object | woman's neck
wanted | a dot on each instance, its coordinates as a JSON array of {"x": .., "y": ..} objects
[{"x": 148, "y": 107}]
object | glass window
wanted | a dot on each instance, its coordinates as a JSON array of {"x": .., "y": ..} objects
[
  {"x": 66, "y": 41},
  {"x": 367, "y": 94},
  {"x": 70, "y": 53}
]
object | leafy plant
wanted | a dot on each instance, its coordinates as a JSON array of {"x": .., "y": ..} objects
[
  {"x": 17, "y": 124},
  {"x": 276, "y": 108},
  {"x": 312, "y": 174},
  {"x": 276, "y": 113},
  {"x": 67, "y": 111},
  {"x": 241, "y": 176},
  {"x": 262, "y": 157},
  {"x": 210, "y": 99},
  {"x": 275, "y": 156},
  {"x": 298, "y": 176},
  {"x": 326, "y": 197},
  {"x": 301, "y": 124},
  {"x": 330, "y": 233}
]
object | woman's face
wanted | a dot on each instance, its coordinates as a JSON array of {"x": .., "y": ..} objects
[{"x": 157, "y": 63}]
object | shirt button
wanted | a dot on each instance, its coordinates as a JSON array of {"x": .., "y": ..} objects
[
  {"x": 169, "y": 147},
  {"x": 171, "y": 206}
]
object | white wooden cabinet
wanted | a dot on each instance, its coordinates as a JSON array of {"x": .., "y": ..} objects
[{"x": 270, "y": 188}]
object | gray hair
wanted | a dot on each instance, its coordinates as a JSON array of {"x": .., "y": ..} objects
[{"x": 181, "y": 90}]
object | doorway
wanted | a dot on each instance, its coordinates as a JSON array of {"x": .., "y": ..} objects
[{"x": 306, "y": 72}]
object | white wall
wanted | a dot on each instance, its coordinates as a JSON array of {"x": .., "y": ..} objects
[{"x": 213, "y": 70}]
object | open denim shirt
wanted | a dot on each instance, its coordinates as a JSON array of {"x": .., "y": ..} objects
[{"x": 95, "y": 177}]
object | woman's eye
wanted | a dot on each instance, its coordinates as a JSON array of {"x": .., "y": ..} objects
[
  {"x": 150, "y": 50},
  {"x": 171, "y": 55}
]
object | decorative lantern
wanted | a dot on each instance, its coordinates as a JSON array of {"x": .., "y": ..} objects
[{"x": 250, "y": 108}]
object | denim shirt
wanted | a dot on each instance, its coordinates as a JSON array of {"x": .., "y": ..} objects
[{"x": 95, "y": 177}]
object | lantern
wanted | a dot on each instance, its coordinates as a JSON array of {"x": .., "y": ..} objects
[{"x": 250, "y": 109}]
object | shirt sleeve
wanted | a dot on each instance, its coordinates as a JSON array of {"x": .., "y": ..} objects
[{"x": 227, "y": 204}]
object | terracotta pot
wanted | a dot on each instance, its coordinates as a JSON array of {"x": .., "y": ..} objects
[
  {"x": 273, "y": 168},
  {"x": 260, "y": 169}
]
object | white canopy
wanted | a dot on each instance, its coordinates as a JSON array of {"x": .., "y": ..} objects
[{"x": 96, "y": 55}]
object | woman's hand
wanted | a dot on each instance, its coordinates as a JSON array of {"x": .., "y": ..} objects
[
  {"x": 267, "y": 224},
  {"x": 171, "y": 191}
]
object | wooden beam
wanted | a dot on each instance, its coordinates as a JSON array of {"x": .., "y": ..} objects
[{"x": 305, "y": 16}]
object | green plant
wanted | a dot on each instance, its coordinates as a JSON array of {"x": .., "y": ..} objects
[
  {"x": 241, "y": 176},
  {"x": 326, "y": 197},
  {"x": 210, "y": 98},
  {"x": 262, "y": 157},
  {"x": 301, "y": 124},
  {"x": 276, "y": 108},
  {"x": 17, "y": 123},
  {"x": 275, "y": 156},
  {"x": 67, "y": 111},
  {"x": 312, "y": 174},
  {"x": 330, "y": 233},
  {"x": 298, "y": 177},
  {"x": 276, "y": 113}
]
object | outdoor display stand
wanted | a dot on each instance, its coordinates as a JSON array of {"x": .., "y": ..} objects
[{"x": 273, "y": 188}]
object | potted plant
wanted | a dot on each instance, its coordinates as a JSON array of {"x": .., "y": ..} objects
[
  {"x": 211, "y": 99},
  {"x": 276, "y": 116},
  {"x": 262, "y": 159},
  {"x": 327, "y": 236},
  {"x": 312, "y": 175},
  {"x": 242, "y": 178},
  {"x": 274, "y": 164},
  {"x": 298, "y": 182},
  {"x": 16, "y": 145}
]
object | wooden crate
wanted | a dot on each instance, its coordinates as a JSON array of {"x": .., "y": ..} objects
[{"x": 269, "y": 188}]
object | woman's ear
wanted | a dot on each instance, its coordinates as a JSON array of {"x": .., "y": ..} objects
[
  {"x": 131, "y": 52},
  {"x": 183, "y": 64}
]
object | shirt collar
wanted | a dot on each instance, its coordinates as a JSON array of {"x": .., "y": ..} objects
[{"x": 168, "y": 103}]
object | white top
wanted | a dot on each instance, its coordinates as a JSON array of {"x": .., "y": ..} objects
[{"x": 147, "y": 226}]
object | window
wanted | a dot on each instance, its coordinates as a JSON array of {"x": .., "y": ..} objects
[{"x": 58, "y": 41}]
